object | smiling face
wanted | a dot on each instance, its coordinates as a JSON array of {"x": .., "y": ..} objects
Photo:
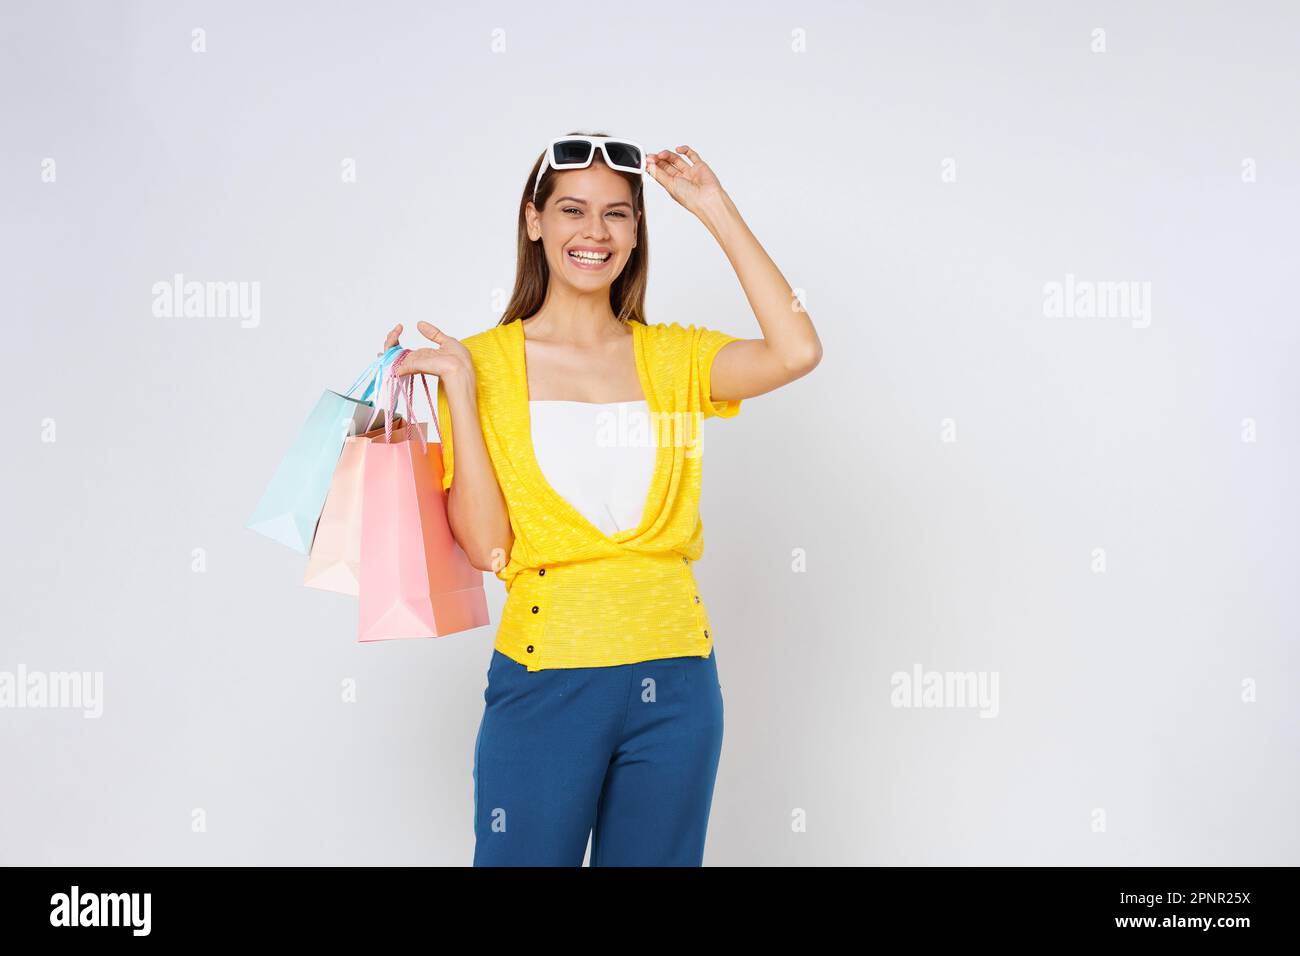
[{"x": 587, "y": 226}]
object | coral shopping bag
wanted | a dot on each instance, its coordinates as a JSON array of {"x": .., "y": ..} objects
[
  {"x": 416, "y": 581},
  {"x": 291, "y": 505}
]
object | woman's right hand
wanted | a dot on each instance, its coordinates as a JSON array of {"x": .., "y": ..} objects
[{"x": 449, "y": 360}]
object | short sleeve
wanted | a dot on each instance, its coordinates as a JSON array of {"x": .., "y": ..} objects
[
  {"x": 708, "y": 342},
  {"x": 444, "y": 429}
]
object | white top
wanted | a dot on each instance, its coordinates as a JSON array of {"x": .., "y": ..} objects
[{"x": 599, "y": 456}]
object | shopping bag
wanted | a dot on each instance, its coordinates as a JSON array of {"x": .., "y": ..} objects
[
  {"x": 335, "y": 560},
  {"x": 290, "y": 508},
  {"x": 416, "y": 581}
]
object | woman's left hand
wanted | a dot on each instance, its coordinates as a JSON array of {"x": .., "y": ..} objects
[{"x": 693, "y": 185}]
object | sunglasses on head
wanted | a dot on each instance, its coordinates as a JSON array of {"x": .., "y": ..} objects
[{"x": 577, "y": 152}]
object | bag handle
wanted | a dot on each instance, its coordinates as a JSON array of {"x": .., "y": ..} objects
[
  {"x": 374, "y": 371},
  {"x": 409, "y": 393},
  {"x": 381, "y": 367}
]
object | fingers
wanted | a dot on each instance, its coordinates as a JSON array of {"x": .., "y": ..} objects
[
  {"x": 690, "y": 154},
  {"x": 430, "y": 331},
  {"x": 405, "y": 364},
  {"x": 425, "y": 361},
  {"x": 671, "y": 163},
  {"x": 393, "y": 337}
]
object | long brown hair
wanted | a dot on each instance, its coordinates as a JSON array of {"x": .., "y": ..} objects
[{"x": 532, "y": 273}]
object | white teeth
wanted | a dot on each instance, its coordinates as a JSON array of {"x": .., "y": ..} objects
[{"x": 590, "y": 256}]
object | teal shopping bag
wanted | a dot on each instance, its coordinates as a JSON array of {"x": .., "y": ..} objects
[{"x": 291, "y": 505}]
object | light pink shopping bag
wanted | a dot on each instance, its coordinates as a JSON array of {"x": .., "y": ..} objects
[
  {"x": 335, "y": 560},
  {"x": 415, "y": 581}
]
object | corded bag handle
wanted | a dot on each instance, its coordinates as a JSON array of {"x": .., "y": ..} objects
[{"x": 409, "y": 393}]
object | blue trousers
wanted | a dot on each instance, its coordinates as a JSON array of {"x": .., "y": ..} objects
[{"x": 626, "y": 754}]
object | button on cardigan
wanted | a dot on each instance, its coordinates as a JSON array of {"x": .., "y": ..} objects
[{"x": 576, "y": 596}]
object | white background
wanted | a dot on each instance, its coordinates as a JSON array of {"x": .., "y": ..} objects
[{"x": 1120, "y": 692}]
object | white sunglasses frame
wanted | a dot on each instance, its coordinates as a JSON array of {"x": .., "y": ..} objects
[{"x": 597, "y": 142}]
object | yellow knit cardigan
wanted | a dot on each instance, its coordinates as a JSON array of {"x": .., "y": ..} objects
[{"x": 576, "y": 596}]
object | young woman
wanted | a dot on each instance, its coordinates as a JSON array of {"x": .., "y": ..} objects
[{"x": 603, "y": 712}]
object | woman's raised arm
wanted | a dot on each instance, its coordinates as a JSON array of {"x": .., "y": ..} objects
[{"x": 789, "y": 348}]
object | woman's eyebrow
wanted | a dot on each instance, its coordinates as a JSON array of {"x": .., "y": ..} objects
[{"x": 621, "y": 202}]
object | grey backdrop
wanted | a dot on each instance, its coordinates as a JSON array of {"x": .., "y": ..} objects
[{"x": 1089, "y": 507}]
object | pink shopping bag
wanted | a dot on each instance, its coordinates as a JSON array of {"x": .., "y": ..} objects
[
  {"x": 335, "y": 560},
  {"x": 415, "y": 580}
]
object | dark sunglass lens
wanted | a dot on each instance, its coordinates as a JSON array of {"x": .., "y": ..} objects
[
  {"x": 572, "y": 151},
  {"x": 625, "y": 154}
]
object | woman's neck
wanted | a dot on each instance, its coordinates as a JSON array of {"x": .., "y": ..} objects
[{"x": 578, "y": 320}]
